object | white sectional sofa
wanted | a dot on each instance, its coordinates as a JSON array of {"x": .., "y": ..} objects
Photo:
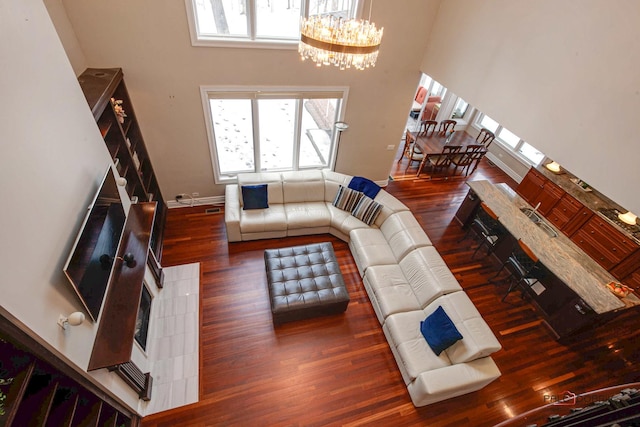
[{"x": 405, "y": 277}]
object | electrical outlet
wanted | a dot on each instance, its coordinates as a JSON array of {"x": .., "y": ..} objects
[
  {"x": 390, "y": 147},
  {"x": 179, "y": 196},
  {"x": 195, "y": 194}
]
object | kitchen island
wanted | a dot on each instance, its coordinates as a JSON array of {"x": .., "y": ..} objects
[{"x": 574, "y": 294}]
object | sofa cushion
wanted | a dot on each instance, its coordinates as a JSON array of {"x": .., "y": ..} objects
[
  {"x": 272, "y": 179},
  {"x": 332, "y": 180},
  {"x": 439, "y": 331},
  {"x": 389, "y": 291},
  {"x": 303, "y": 186},
  {"x": 412, "y": 348},
  {"x": 307, "y": 215},
  {"x": 367, "y": 210},
  {"x": 347, "y": 199},
  {"x": 263, "y": 220},
  {"x": 404, "y": 233},
  {"x": 428, "y": 274},
  {"x": 478, "y": 339},
  {"x": 390, "y": 205},
  {"x": 254, "y": 196},
  {"x": 369, "y": 247},
  {"x": 343, "y": 222}
]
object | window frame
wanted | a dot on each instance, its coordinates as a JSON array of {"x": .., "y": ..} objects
[
  {"x": 261, "y": 91},
  {"x": 515, "y": 150},
  {"x": 250, "y": 41}
]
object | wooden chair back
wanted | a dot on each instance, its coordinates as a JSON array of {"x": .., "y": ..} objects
[
  {"x": 427, "y": 126},
  {"x": 446, "y": 126},
  {"x": 445, "y": 157},
  {"x": 485, "y": 137}
]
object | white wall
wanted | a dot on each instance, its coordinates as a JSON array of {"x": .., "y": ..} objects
[
  {"x": 150, "y": 40},
  {"x": 563, "y": 75},
  {"x": 52, "y": 161}
]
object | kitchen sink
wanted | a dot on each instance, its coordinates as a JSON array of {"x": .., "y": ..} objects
[{"x": 537, "y": 220}]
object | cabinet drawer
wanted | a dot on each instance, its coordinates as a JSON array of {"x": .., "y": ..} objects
[
  {"x": 592, "y": 248},
  {"x": 613, "y": 240},
  {"x": 583, "y": 215},
  {"x": 568, "y": 206},
  {"x": 558, "y": 218}
]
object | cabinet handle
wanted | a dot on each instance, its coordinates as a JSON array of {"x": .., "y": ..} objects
[
  {"x": 580, "y": 309},
  {"x": 584, "y": 213},
  {"x": 564, "y": 209},
  {"x": 613, "y": 249},
  {"x": 592, "y": 232}
]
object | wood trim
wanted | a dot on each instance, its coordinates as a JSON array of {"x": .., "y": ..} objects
[{"x": 19, "y": 336}]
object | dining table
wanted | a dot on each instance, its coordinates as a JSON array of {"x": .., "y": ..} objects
[{"x": 432, "y": 143}]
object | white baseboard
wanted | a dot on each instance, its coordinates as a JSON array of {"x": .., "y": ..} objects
[
  {"x": 506, "y": 169},
  {"x": 200, "y": 201}
]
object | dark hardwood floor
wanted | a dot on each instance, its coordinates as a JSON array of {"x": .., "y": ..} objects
[{"x": 338, "y": 370}]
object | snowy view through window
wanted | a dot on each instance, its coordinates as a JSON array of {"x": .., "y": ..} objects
[{"x": 284, "y": 129}]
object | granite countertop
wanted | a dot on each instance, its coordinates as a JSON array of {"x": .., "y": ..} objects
[{"x": 559, "y": 254}]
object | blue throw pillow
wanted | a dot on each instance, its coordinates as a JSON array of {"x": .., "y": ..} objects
[
  {"x": 439, "y": 331},
  {"x": 254, "y": 196}
]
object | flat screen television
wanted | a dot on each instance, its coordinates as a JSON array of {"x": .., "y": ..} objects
[{"x": 90, "y": 262}]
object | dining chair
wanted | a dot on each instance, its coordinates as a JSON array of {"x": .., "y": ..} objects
[
  {"x": 443, "y": 159},
  {"x": 485, "y": 137},
  {"x": 411, "y": 150},
  {"x": 472, "y": 155},
  {"x": 525, "y": 268},
  {"x": 487, "y": 227},
  {"x": 446, "y": 126},
  {"x": 426, "y": 126}
]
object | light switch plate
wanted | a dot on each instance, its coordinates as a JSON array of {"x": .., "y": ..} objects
[{"x": 390, "y": 147}]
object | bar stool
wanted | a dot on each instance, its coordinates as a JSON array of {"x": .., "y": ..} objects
[
  {"x": 486, "y": 226},
  {"x": 525, "y": 268}
]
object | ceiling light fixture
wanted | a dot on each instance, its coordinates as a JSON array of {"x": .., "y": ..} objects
[{"x": 345, "y": 43}]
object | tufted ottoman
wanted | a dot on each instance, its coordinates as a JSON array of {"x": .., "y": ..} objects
[{"x": 304, "y": 281}]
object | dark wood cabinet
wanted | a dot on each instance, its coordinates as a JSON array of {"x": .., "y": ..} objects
[
  {"x": 536, "y": 189},
  {"x": 577, "y": 221},
  {"x": 109, "y": 100},
  {"x": 531, "y": 186},
  {"x": 38, "y": 389},
  {"x": 564, "y": 212},
  {"x": 467, "y": 208},
  {"x": 603, "y": 242}
]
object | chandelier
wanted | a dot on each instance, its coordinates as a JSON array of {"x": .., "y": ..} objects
[{"x": 345, "y": 43}]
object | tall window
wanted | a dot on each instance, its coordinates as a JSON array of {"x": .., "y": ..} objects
[
  {"x": 257, "y": 21},
  {"x": 510, "y": 141},
  {"x": 460, "y": 109},
  {"x": 266, "y": 130}
]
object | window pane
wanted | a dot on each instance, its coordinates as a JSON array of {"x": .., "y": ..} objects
[
  {"x": 318, "y": 117},
  {"x": 531, "y": 153},
  {"x": 233, "y": 132},
  {"x": 278, "y": 18},
  {"x": 344, "y": 8},
  {"x": 459, "y": 109},
  {"x": 277, "y": 124},
  {"x": 508, "y": 137},
  {"x": 437, "y": 90},
  {"x": 221, "y": 17},
  {"x": 488, "y": 122}
]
